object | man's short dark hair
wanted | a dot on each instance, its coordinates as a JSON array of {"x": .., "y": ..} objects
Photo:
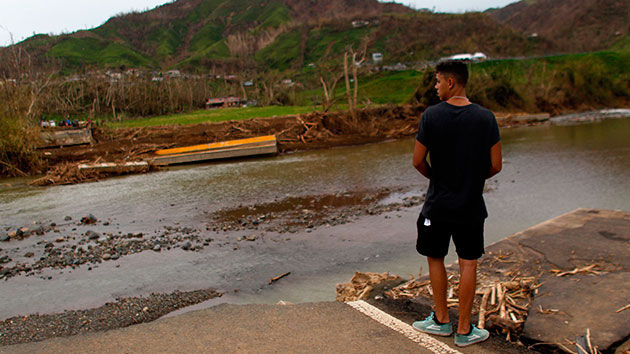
[{"x": 456, "y": 69}]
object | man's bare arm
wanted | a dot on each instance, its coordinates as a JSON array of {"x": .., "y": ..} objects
[
  {"x": 496, "y": 160},
  {"x": 419, "y": 159}
]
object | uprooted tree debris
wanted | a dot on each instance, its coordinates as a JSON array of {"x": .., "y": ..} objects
[
  {"x": 308, "y": 131},
  {"x": 364, "y": 285},
  {"x": 502, "y": 302},
  {"x": 71, "y": 173},
  {"x": 501, "y": 305},
  {"x": 315, "y": 130}
]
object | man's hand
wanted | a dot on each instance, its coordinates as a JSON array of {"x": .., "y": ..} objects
[
  {"x": 496, "y": 160},
  {"x": 419, "y": 159}
]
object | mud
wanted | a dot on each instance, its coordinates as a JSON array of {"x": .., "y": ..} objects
[
  {"x": 317, "y": 130},
  {"x": 309, "y": 131},
  {"x": 297, "y": 213}
]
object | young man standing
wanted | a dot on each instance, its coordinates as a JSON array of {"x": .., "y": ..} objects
[{"x": 461, "y": 142}]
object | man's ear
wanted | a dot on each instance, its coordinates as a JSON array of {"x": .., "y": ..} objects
[{"x": 451, "y": 82}]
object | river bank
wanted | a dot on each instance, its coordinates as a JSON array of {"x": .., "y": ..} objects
[
  {"x": 549, "y": 289},
  {"x": 62, "y": 252},
  {"x": 294, "y": 133},
  {"x": 266, "y": 207}
]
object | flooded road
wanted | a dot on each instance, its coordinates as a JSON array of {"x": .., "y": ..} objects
[{"x": 548, "y": 171}]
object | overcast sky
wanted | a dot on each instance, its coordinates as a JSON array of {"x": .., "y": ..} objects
[{"x": 23, "y": 18}]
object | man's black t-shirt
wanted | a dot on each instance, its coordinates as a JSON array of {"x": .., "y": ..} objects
[{"x": 458, "y": 140}]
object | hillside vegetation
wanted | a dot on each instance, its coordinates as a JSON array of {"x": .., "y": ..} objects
[
  {"x": 573, "y": 26},
  {"x": 228, "y": 36},
  {"x": 234, "y": 35},
  {"x": 286, "y": 49}
]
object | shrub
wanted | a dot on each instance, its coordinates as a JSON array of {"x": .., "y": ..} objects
[{"x": 17, "y": 133}]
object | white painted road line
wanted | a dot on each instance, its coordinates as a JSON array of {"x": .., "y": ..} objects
[{"x": 401, "y": 327}]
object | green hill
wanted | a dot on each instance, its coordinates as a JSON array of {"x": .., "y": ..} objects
[
  {"x": 574, "y": 26},
  {"x": 200, "y": 35},
  {"x": 234, "y": 35}
]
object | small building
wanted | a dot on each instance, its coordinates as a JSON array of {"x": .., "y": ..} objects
[
  {"x": 462, "y": 56},
  {"x": 479, "y": 56},
  {"x": 114, "y": 76},
  {"x": 287, "y": 83},
  {"x": 360, "y": 23},
  {"x": 395, "y": 67},
  {"x": 173, "y": 73},
  {"x": 133, "y": 72},
  {"x": 224, "y": 102},
  {"x": 73, "y": 78}
]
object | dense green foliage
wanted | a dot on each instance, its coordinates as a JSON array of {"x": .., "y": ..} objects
[
  {"x": 553, "y": 84},
  {"x": 78, "y": 51},
  {"x": 548, "y": 84},
  {"x": 282, "y": 53},
  {"x": 17, "y": 133},
  {"x": 172, "y": 35}
]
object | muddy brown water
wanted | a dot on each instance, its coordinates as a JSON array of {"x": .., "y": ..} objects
[{"x": 548, "y": 170}]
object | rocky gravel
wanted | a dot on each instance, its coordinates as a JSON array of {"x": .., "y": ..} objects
[
  {"x": 85, "y": 241},
  {"x": 73, "y": 244},
  {"x": 91, "y": 247},
  {"x": 122, "y": 313}
]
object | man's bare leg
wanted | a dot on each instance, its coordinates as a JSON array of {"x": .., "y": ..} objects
[
  {"x": 467, "y": 286},
  {"x": 439, "y": 283}
]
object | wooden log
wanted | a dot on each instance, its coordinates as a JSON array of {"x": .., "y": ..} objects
[
  {"x": 482, "y": 308},
  {"x": 365, "y": 293},
  {"x": 274, "y": 279},
  {"x": 587, "y": 269},
  {"x": 504, "y": 323},
  {"x": 581, "y": 346},
  {"x": 513, "y": 303},
  {"x": 513, "y": 316},
  {"x": 113, "y": 167},
  {"x": 493, "y": 296},
  {"x": 501, "y": 295},
  {"x": 623, "y": 308}
]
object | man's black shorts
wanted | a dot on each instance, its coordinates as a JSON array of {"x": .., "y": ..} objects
[{"x": 434, "y": 238}]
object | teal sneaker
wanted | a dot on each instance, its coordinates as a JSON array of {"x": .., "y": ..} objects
[
  {"x": 431, "y": 326},
  {"x": 476, "y": 335}
]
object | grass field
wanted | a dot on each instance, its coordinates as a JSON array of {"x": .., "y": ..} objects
[
  {"x": 212, "y": 115},
  {"x": 498, "y": 84},
  {"x": 396, "y": 87}
]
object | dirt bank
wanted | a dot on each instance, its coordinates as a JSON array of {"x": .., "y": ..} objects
[{"x": 309, "y": 131}]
